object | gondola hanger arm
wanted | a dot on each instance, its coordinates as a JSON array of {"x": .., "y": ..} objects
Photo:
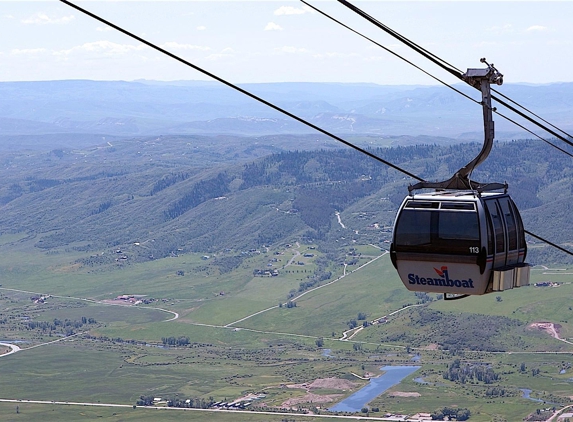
[{"x": 481, "y": 79}]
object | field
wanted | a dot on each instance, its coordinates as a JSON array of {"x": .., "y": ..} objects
[
  {"x": 53, "y": 412},
  {"x": 245, "y": 333}
]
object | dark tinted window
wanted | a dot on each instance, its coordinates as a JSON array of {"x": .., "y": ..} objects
[
  {"x": 469, "y": 206},
  {"x": 520, "y": 231},
  {"x": 493, "y": 211},
  {"x": 422, "y": 204},
  {"x": 413, "y": 228},
  {"x": 458, "y": 225},
  {"x": 437, "y": 231},
  {"x": 490, "y": 238},
  {"x": 510, "y": 222}
]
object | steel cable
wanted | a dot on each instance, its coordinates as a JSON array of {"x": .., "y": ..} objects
[{"x": 249, "y": 94}]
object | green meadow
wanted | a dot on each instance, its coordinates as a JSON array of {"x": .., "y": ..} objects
[
  {"x": 243, "y": 338},
  {"x": 54, "y": 412}
]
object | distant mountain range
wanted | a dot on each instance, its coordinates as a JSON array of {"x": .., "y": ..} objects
[{"x": 142, "y": 108}]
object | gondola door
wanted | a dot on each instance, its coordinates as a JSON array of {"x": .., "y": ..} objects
[{"x": 499, "y": 231}]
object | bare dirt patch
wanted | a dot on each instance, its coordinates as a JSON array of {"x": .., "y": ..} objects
[
  {"x": 404, "y": 394},
  {"x": 326, "y": 383},
  {"x": 432, "y": 346},
  {"x": 311, "y": 398},
  {"x": 116, "y": 302},
  {"x": 548, "y": 327},
  {"x": 66, "y": 268},
  {"x": 322, "y": 383}
]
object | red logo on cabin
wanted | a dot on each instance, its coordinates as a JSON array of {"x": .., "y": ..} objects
[{"x": 441, "y": 270}]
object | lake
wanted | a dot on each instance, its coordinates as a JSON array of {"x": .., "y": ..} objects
[{"x": 392, "y": 376}]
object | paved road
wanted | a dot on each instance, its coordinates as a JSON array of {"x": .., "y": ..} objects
[
  {"x": 100, "y": 302},
  {"x": 294, "y": 299},
  {"x": 13, "y": 349},
  {"x": 298, "y": 415}
]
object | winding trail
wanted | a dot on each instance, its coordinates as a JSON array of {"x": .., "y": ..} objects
[
  {"x": 296, "y": 255},
  {"x": 339, "y": 220},
  {"x": 557, "y": 412},
  {"x": 550, "y": 329},
  {"x": 204, "y": 411},
  {"x": 50, "y": 342},
  {"x": 346, "y": 337},
  {"x": 13, "y": 349},
  {"x": 99, "y": 302},
  {"x": 356, "y": 330},
  {"x": 175, "y": 314},
  {"x": 308, "y": 291}
]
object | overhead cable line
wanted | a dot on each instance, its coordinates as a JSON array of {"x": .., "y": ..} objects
[
  {"x": 457, "y": 73},
  {"x": 533, "y": 133},
  {"x": 242, "y": 91},
  {"x": 439, "y": 80},
  {"x": 549, "y": 243},
  {"x": 531, "y": 112},
  {"x": 389, "y": 51},
  {"x": 429, "y": 55},
  {"x": 249, "y": 94},
  {"x": 567, "y": 141},
  {"x": 445, "y": 65}
]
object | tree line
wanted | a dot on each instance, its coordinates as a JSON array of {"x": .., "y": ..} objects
[{"x": 462, "y": 373}]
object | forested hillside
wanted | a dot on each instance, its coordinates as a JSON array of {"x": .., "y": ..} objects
[{"x": 162, "y": 196}]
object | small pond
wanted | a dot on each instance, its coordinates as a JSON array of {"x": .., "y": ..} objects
[{"x": 392, "y": 376}]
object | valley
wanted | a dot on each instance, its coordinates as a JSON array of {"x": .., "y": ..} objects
[{"x": 204, "y": 279}]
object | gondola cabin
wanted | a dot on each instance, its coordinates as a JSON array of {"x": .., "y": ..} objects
[{"x": 459, "y": 243}]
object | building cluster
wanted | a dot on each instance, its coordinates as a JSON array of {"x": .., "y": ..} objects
[
  {"x": 131, "y": 299},
  {"x": 270, "y": 272},
  {"x": 546, "y": 284},
  {"x": 40, "y": 299}
]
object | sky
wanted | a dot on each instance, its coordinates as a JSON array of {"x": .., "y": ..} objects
[{"x": 283, "y": 41}]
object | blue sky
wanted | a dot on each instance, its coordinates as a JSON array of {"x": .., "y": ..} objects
[{"x": 278, "y": 41}]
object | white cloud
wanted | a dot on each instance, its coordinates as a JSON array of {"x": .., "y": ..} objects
[
  {"x": 289, "y": 10},
  {"x": 171, "y": 45},
  {"x": 503, "y": 29},
  {"x": 334, "y": 55},
  {"x": 217, "y": 56},
  {"x": 201, "y": 28},
  {"x": 271, "y": 26},
  {"x": 28, "y": 51},
  {"x": 103, "y": 29},
  {"x": 289, "y": 49},
  {"x": 101, "y": 47},
  {"x": 8, "y": 16},
  {"x": 486, "y": 44},
  {"x": 375, "y": 59},
  {"x": 42, "y": 19},
  {"x": 537, "y": 28},
  {"x": 224, "y": 54},
  {"x": 392, "y": 47}
]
